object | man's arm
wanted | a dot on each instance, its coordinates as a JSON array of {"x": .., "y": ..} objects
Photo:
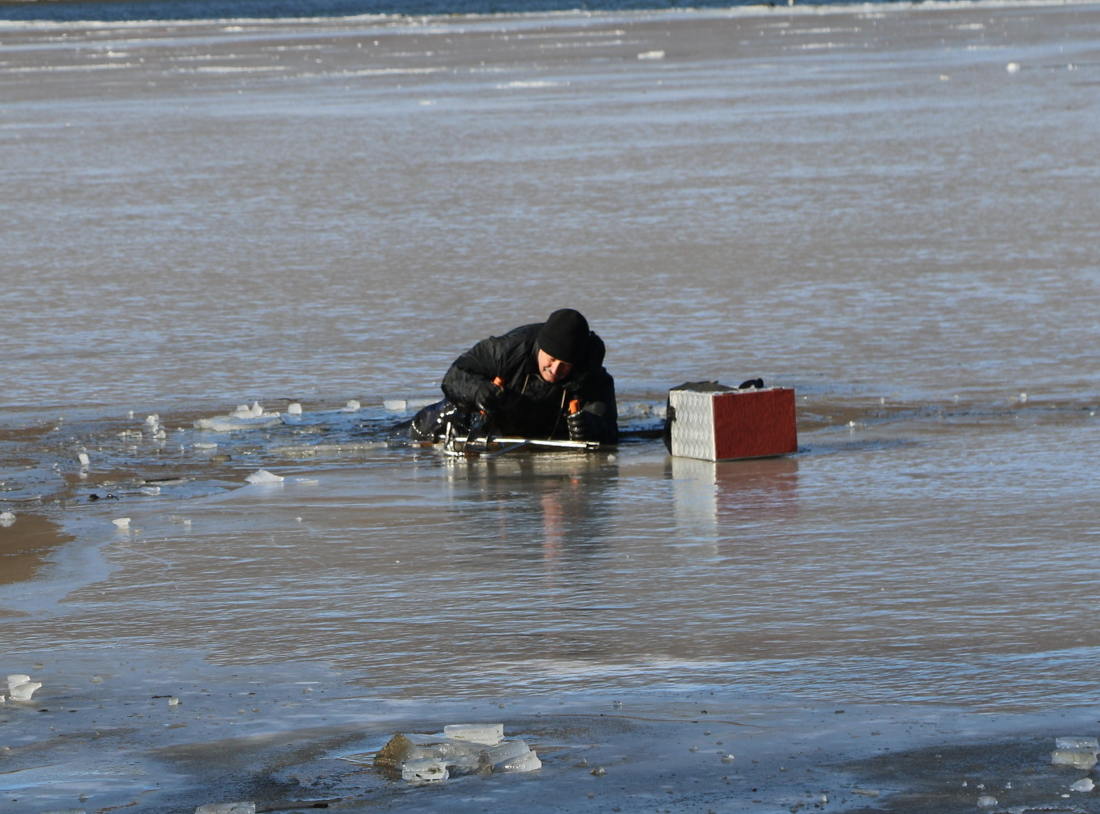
[
  {"x": 469, "y": 380},
  {"x": 598, "y": 419}
]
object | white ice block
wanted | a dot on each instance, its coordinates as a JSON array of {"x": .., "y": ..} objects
[
  {"x": 428, "y": 770},
  {"x": 1079, "y": 742},
  {"x": 528, "y": 762},
  {"x": 263, "y": 476},
  {"x": 24, "y": 691},
  {"x": 488, "y": 734},
  {"x": 506, "y": 751},
  {"x": 15, "y": 679},
  {"x": 227, "y": 808},
  {"x": 1083, "y": 759}
]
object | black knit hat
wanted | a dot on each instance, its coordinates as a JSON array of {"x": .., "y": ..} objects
[{"x": 564, "y": 336}]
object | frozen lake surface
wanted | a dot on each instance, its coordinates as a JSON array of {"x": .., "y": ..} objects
[{"x": 890, "y": 209}]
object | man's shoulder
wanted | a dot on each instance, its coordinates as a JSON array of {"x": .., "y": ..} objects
[{"x": 523, "y": 332}]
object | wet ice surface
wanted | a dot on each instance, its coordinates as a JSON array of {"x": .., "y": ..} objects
[
  {"x": 864, "y": 205},
  {"x": 912, "y": 545},
  {"x": 908, "y": 555}
]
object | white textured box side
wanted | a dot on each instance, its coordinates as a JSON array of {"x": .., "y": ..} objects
[{"x": 692, "y": 432}]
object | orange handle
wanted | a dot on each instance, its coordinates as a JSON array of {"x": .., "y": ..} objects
[
  {"x": 574, "y": 406},
  {"x": 499, "y": 382}
]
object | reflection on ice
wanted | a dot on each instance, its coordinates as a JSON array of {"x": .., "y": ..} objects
[{"x": 710, "y": 497}]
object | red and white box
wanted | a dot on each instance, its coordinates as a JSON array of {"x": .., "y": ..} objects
[{"x": 715, "y": 423}]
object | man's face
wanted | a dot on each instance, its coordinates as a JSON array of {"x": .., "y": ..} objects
[{"x": 553, "y": 370}]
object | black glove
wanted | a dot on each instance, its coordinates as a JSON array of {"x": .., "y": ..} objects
[
  {"x": 489, "y": 397},
  {"x": 579, "y": 427}
]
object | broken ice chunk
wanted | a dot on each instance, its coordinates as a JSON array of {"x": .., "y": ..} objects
[
  {"x": 1084, "y": 784},
  {"x": 460, "y": 757},
  {"x": 352, "y": 406},
  {"x": 7, "y": 519},
  {"x": 227, "y": 808},
  {"x": 294, "y": 408},
  {"x": 122, "y": 522},
  {"x": 244, "y": 411},
  {"x": 15, "y": 679},
  {"x": 502, "y": 753},
  {"x": 512, "y": 756},
  {"x": 83, "y": 458},
  {"x": 1083, "y": 759},
  {"x": 528, "y": 762},
  {"x": 428, "y": 770},
  {"x": 263, "y": 476},
  {"x": 1078, "y": 742},
  {"x": 24, "y": 691},
  {"x": 488, "y": 734}
]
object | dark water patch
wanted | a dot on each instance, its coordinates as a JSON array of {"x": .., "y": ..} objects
[
  {"x": 26, "y": 545},
  {"x": 67, "y": 11},
  {"x": 1014, "y": 775}
]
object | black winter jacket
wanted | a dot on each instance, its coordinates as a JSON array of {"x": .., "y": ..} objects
[{"x": 530, "y": 406}]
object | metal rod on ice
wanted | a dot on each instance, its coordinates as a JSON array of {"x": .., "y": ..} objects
[{"x": 505, "y": 440}]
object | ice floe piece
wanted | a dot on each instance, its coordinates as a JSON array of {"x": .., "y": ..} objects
[
  {"x": 263, "y": 476},
  {"x": 651, "y": 55},
  {"x": 7, "y": 519},
  {"x": 352, "y": 406},
  {"x": 294, "y": 408},
  {"x": 1081, "y": 742},
  {"x": 1083, "y": 759},
  {"x": 122, "y": 522},
  {"x": 429, "y": 770},
  {"x": 246, "y": 807},
  {"x": 1013, "y": 67},
  {"x": 244, "y": 411},
  {"x": 21, "y": 688},
  {"x": 488, "y": 734},
  {"x": 15, "y": 679},
  {"x": 1084, "y": 784},
  {"x": 460, "y": 757},
  {"x": 410, "y": 755},
  {"x": 512, "y": 756},
  {"x": 243, "y": 417},
  {"x": 85, "y": 462},
  {"x": 396, "y": 405},
  {"x": 526, "y": 762},
  {"x": 987, "y": 801}
]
